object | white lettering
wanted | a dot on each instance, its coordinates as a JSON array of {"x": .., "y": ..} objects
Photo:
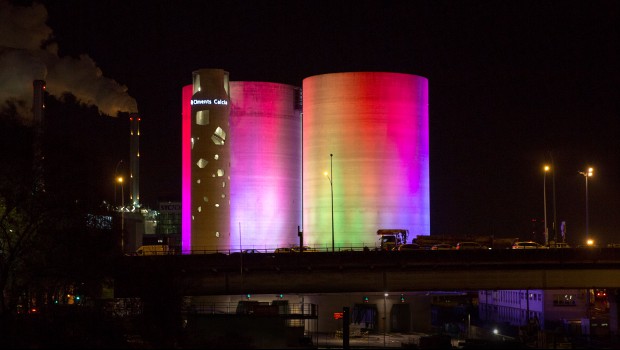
[
  {"x": 216, "y": 101},
  {"x": 200, "y": 102}
]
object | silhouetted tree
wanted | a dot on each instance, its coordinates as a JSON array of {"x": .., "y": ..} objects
[
  {"x": 21, "y": 206},
  {"x": 53, "y": 241}
]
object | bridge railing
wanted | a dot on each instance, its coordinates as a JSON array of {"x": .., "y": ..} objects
[{"x": 253, "y": 249}]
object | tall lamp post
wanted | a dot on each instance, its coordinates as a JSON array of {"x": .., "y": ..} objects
[
  {"x": 546, "y": 169},
  {"x": 385, "y": 295},
  {"x": 120, "y": 181},
  {"x": 331, "y": 185},
  {"x": 587, "y": 174},
  {"x": 555, "y": 222}
]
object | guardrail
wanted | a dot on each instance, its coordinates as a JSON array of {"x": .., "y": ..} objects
[{"x": 256, "y": 250}]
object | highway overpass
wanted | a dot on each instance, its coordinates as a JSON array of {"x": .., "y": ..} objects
[{"x": 368, "y": 271}]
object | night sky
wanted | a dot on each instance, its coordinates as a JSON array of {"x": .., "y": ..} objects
[{"x": 512, "y": 85}]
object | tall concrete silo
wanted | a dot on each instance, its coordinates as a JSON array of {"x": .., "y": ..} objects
[
  {"x": 206, "y": 162},
  {"x": 375, "y": 124},
  {"x": 265, "y": 164}
]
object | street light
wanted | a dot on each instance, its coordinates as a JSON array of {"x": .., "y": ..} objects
[
  {"x": 385, "y": 295},
  {"x": 555, "y": 222},
  {"x": 331, "y": 185},
  {"x": 546, "y": 168},
  {"x": 120, "y": 181},
  {"x": 589, "y": 242},
  {"x": 587, "y": 174}
]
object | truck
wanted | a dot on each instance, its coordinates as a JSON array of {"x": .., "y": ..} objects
[
  {"x": 392, "y": 238},
  {"x": 155, "y": 249}
]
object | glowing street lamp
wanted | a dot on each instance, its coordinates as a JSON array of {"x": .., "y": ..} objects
[
  {"x": 120, "y": 181},
  {"x": 546, "y": 169},
  {"x": 331, "y": 185},
  {"x": 587, "y": 174}
]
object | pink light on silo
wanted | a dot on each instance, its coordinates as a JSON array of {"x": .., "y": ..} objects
[
  {"x": 265, "y": 165},
  {"x": 186, "y": 176},
  {"x": 376, "y": 126}
]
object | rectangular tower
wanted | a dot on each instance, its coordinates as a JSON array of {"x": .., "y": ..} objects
[{"x": 206, "y": 162}]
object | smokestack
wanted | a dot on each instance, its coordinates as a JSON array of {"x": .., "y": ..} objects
[
  {"x": 38, "y": 105},
  {"x": 134, "y": 159}
]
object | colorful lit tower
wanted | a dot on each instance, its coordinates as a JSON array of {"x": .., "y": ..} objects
[
  {"x": 206, "y": 161},
  {"x": 375, "y": 124},
  {"x": 134, "y": 159}
]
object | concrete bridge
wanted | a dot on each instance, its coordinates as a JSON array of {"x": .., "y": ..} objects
[{"x": 368, "y": 271}]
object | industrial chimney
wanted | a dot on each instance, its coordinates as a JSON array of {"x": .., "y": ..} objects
[{"x": 134, "y": 159}]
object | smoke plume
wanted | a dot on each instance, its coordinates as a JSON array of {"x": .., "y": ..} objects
[{"x": 28, "y": 53}]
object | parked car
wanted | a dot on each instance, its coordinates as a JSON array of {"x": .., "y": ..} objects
[
  {"x": 469, "y": 245},
  {"x": 282, "y": 250},
  {"x": 296, "y": 249},
  {"x": 251, "y": 251},
  {"x": 528, "y": 245},
  {"x": 442, "y": 246},
  {"x": 409, "y": 246}
]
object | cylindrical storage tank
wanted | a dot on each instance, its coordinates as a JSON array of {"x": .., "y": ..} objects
[
  {"x": 210, "y": 161},
  {"x": 375, "y": 127},
  {"x": 265, "y": 165}
]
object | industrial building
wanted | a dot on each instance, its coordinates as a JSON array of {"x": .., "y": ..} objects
[{"x": 333, "y": 162}]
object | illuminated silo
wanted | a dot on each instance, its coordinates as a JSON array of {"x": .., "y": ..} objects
[
  {"x": 206, "y": 162},
  {"x": 265, "y": 165},
  {"x": 376, "y": 126}
]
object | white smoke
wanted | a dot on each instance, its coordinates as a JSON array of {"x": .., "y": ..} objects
[{"x": 27, "y": 53}]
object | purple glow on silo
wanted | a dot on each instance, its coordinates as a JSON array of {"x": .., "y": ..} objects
[
  {"x": 186, "y": 169},
  {"x": 376, "y": 126},
  {"x": 265, "y": 165}
]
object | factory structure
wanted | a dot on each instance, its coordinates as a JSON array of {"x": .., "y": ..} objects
[
  {"x": 134, "y": 159},
  {"x": 267, "y": 164}
]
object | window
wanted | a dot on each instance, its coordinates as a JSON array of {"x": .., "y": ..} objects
[
  {"x": 564, "y": 300},
  {"x": 202, "y": 163},
  {"x": 219, "y": 136},
  {"x": 202, "y": 117}
]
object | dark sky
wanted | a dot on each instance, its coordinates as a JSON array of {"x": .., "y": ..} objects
[{"x": 512, "y": 85}]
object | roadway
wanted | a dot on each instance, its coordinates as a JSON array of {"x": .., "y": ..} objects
[{"x": 370, "y": 271}]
